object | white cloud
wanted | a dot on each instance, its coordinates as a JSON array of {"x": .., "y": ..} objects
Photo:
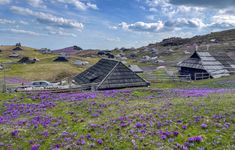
[
  {"x": 117, "y": 39},
  {"x": 224, "y": 18},
  {"x": 163, "y": 26},
  {"x": 24, "y": 22},
  {"x": 59, "y": 31},
  {"x": 113, "y": 27},
  {"x": 183, "y": 22},
  {"x": 2, "y": 2},
  {"x": 5, "y": 21},
  {"x": 142, "y": 26},
  {"x": 151, "y": 17},
  {"x": 18, "y": 31},
  {"x": 78, "y": 4},
  {"x": 92, "y": 6},
  {"x": 36, "y": 3},
  {"x": 48, "y": 19},
  {"x": 168, "y": 9},
  {"x": 62, "y": 33}
]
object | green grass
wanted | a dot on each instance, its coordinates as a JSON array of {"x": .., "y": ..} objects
[
  {"x": 45, "y": 69},
  {"x": 76, "y": 117}
]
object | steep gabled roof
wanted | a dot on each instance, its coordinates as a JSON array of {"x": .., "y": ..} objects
[
  {"x": 207, "y": 62},
  {"x": 226, "y": 61},
  {"x": 17, "y": 49},
  {"x": 61, "y": 59},
  {"x": 14, "y": 55},
  {"x": 110, "y": 74},
  {"x": 26, "y": 60}
]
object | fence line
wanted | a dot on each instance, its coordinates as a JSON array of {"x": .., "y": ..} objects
[
  {"x": 201, "y": 76},
  {"x": 166, "y": 77}
]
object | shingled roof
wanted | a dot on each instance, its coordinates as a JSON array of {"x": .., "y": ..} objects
[
  {"x": 110, "y": 74},
  {"x": 17, "y": 49},
  {"x": 26, "y": 60},
  {"x": 226, "y": 61},
  {"x": 61, "y": 59},
  {"x": 215, "y": 65},
  {"x": 136, "y": 68}
]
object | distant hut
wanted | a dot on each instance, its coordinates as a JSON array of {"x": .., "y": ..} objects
[
  {"x": 26, "y": 60},
  {"x": 106, "y": 53},
  {"x": 45, "y": 51},
  {"x": 110, "y": 74},
  {"x": 101, "y": 53},
  {"x": 1, "y": 67},
  {"x": 136, "y": 68},
  {"x": 14, "y": 55},
  {"x": 61, "y": 59},
  {"x": 17, "y": 49},
  {"x": 110, "y": 55},
  {"x": 81, "y": 63},
  {"x": 202, "y": 65}
]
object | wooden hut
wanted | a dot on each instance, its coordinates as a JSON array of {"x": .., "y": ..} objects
[
  {"x": 14, "y": 55},
  {"x": 1, "y": 67},
  {"x": 81, "y": 63},
  {"x": 136, "y": 68},
  {"x": 203, "y": 65},
  {"x": 26, "y": 60},
  {"x": 110, "y": 74},
  {"x": 17, "y": 49},
  {"x": 61, "y": 59}
]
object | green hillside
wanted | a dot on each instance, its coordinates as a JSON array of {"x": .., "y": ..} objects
[
  {"x": 175, "y": 49},
  {"x": 45, "y": 69}
]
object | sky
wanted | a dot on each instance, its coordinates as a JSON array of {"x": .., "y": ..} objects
[{"x": 107, "y": 24}]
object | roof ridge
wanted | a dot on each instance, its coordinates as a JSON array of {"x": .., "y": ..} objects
[{"x": 108, "y": 74}]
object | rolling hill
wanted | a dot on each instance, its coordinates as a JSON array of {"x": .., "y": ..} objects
[
  {"x": 45, "y": 69},
  {"x": 76, "y": 50},
  {"x": 175, "y": 49}
]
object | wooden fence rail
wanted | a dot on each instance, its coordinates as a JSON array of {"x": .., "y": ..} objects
[{"x": 165, "y": 77}]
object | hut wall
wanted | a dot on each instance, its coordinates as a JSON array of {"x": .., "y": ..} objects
[{"x": 192, "y": 72}]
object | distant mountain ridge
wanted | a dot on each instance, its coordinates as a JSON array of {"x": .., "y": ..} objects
[{"x": 72, "y": 50}]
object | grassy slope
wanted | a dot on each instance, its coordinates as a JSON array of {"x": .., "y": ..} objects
[
  {"x": 226, "y": 44},
  {"x": 46, "y": 69},
  {"x": 76, "y": 117}
]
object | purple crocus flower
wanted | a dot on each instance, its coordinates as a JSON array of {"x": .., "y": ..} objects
[
  {"x": 57, "y": 146},
  {"x": 99, "y": 141},
  {"x": 1, "y": 144},
  {"x": 185, "y": 148},
  {"x": 138, "y": 125},
  {"x": 123, "y": 124},
  {"x": 203, "y": 126},
  {"x": 15, "y": 133},
  {"x": 81, "y": 142},
  {"x": 177, "y": 145},
  {"x": 45, "y": 134},
  {"x": 195, "y": 139},
  {"x": 184, "y": 127},
  {"x": 92, "y": 145},
  {"x": 88, "y": 136},
  {"x": 35, "y": 147},
  {"x": 30, "y": 142},
  {"x": 163, "y": 137},
  {"x": 175, "y": 133}
]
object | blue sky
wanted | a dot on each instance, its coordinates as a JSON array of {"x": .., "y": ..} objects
[{"x": 106, "y": 24}]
